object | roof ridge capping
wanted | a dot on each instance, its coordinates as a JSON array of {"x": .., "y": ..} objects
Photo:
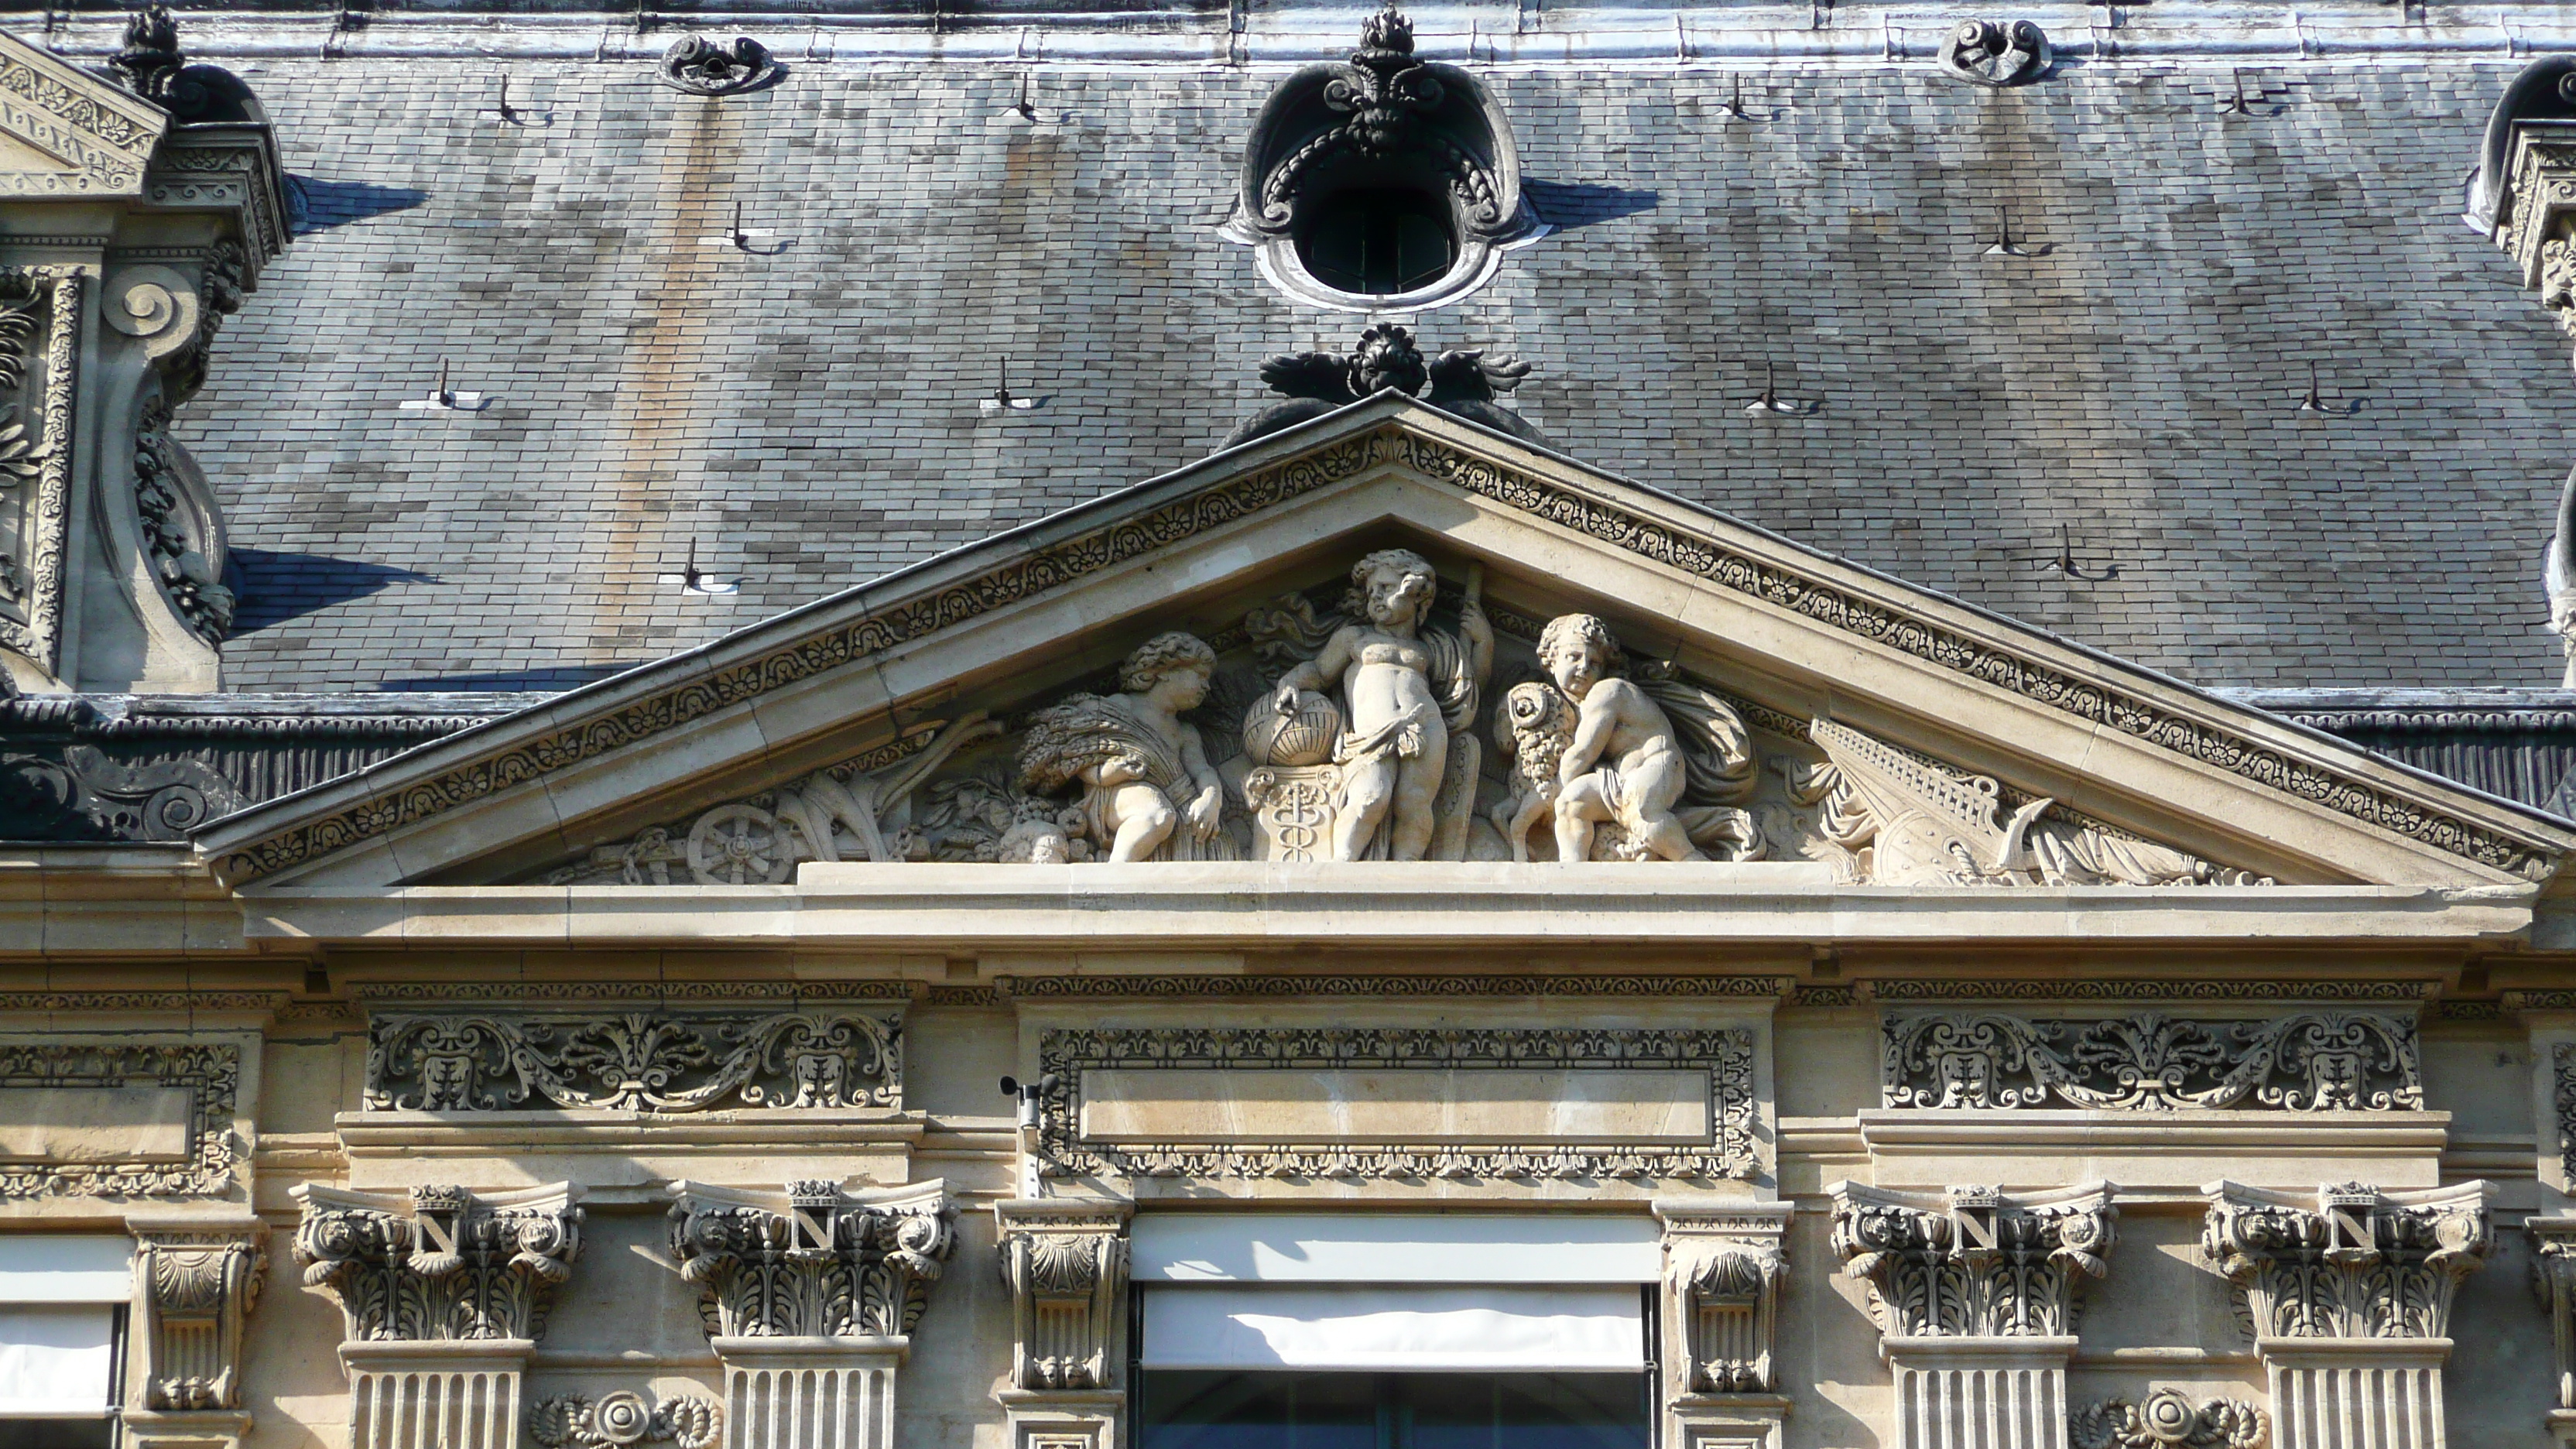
[{"x": 2501, "y": 841}]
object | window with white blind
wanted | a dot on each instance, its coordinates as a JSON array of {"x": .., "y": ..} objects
[
  {"x": 1387, "y": 1331},
  {"x": 62, "y": 1336}
]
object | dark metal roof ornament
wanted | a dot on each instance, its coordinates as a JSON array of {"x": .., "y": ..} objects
[
  {"x": 1462, "y": 382},
  {"x": 150, "y": 65},
  {"x": 1385, "y": 117},
  {"x": 1992, "y": 54},
  {"x": 706, "y": 68}
]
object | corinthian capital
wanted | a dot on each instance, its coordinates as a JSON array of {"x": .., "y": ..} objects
[
  {"x": 1973, "y": 1262},
  {"x": 814, "y": 1261},
  {"x": 439, "y": 1263},
  {"x": 2347, "y": 1261}
]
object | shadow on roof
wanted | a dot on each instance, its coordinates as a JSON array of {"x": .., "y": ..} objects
[
  {"x": 533, "y": 681},
  {"x": 314, "y": 204},
  {"x": 1565, "y": 205},
  {"x": 274, "y": 587}
]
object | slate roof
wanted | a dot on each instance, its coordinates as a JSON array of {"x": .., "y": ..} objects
[{"x": 808, "y": 419}]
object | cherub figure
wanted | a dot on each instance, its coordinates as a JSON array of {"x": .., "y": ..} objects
[
  {"x": 1143, "y": 769},
  {"x": 1405, "y": 687},
  {"x": 1623, "y": 762}
]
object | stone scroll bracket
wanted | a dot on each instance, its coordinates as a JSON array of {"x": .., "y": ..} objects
[
  {"x": 1975, "y": 1295},
  {"x": 1724, "y": 1263},
  {"x": 2553, "y": 1279},
  {"x": 809, "y": 1297},
  {"x": 197, "y": 1279},
  {"x": 109, "y": 307},
  {"x": 445, "y": 1293},
  {"x": 2348, "y": 1291},
  {"x": 1064, "y": 1261}
]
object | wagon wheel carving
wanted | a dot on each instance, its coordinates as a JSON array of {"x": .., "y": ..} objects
[{"x": 742, "y": 845}]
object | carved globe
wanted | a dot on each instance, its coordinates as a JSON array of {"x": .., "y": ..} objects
[{"x": 1302, "y": 737}]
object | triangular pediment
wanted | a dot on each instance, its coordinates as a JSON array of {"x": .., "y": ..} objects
[
  {"x": 65, "y": 132},
  {"x": 1778, "y": 704}
]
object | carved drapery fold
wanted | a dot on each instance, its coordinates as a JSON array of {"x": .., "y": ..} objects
[
  {"x": 814, "y": 1261},
  {"x": 440, "y": 1263},
  {"x": 648, "y": 1061},
  {"x": 1065, "y": 1262},
  {"x": 2315, "y": 1061},
  {"x": 2348, "y": 1292}
]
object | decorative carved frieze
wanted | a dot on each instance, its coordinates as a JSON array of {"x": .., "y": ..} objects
[
  {"x": 814, "y": 1261},
  {"x": 1723, "y": 1267},
  {"x": 197, "y": 1283},
  {"x": 103, "y": 138},
  {"x": 1374, "y": 987},
  {"x": 2168, "y": 1419},
  {"x": 2348, "y": 1261},
  {"x": 1065, "y": 1262},
  {"x": 642, "y": 1061},
  {"x": 2313, "y": 1061},
  {"x": 441, "y": 1263},
  {"x": 615, "y": 1420},
  {"x": 209, "y": 1074},
  {"x": 1724, "y": 1055},
  {"x": 1974, "y": 1263}
]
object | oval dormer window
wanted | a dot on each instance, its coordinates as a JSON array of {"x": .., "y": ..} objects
[
  {"x": 1386, "y": 183},
  {"x": 1378, "y": 242}
]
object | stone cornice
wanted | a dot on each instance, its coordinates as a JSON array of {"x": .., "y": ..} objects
[{"x": 1385, "y": 433}]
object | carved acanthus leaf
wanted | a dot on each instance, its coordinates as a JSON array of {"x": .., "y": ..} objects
[
  {"x": 442, "y": 1263},
  {"x": 1977, "y": 1264},
  {"x": 812, "y": 1262},
  {"x": 2308, "y": 1062},
  {"x": 1067, "y": 1274},
  {"x": 648, "y": 1061},
  {"x": 199, "y": 1289},
  {"x": 2349, "y": 1261}
]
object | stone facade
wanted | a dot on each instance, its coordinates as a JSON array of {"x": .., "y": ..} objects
[{"x": 1907, "y": 1026}]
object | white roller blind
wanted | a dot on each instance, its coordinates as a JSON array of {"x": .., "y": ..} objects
[
  {"x": 1386, "y": 1328},
  {"x": 1396, "y": 1248},
  {"x": 56, "y": 1360},
  {"x": 65, "y": 1268}
]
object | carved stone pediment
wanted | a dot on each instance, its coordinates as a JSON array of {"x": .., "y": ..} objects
[
  {"x": 68, "y": 132},
  {"x": 1381, "y": 636}
]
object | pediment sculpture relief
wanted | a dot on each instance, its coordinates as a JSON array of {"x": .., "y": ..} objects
[{"x": 1399, "y": 718}]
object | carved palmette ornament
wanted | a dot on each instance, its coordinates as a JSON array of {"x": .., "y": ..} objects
[
  {"x": 199, "y": 1289},
  {"x": 442, "y": 1262},
  {"x": 2349, "y": 1261},
  {"x": 612, "y": 1421},
  {"x": 1068, "y": 1281},
  {"x": 2168, "y": 1419},
  {"x": 1730, "y": 1303},
  {"x": 2314, "y": 1061},
  {"x": 663, "y": 1061},
  {"x": 813, "y": 1261},
  {"x": 1974, "y": 1263}
]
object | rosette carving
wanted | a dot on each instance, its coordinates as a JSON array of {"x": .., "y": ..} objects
[{"x": 612, "y": 1421}]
